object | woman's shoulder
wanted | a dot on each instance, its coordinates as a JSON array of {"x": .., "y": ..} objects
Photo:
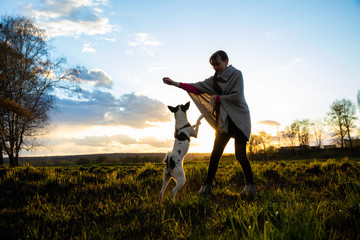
[
  {"x": 234, "y": 69},
  {"x": 232, "y": 73}
]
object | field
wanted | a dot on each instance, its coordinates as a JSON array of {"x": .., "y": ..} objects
[{"x": 300, "y": 199}]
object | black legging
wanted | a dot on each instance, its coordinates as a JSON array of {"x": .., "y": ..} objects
[{"x": 221, "y": 140}]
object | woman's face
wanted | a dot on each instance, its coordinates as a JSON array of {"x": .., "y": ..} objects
[{"x": 219, "y": 65}]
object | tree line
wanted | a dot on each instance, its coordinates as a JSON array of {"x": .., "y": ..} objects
[{"x": 339, "y": 124}]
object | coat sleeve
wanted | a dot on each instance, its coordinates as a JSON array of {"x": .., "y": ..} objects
[{"x": 205, "y": 86}]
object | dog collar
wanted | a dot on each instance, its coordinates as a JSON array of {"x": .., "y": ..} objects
[
  {"x": 182, "y": 136},
  {"x": 186, "y": 125}
]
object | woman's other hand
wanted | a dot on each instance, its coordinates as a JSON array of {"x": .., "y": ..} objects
[
  {"x": 171, "y": 82},
  {"x": 213, "y": 100}
]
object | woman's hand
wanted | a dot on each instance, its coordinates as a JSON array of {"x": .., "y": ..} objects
[
  {"x": 213, "y": 100},
  {"x": 171, "y": 82}
]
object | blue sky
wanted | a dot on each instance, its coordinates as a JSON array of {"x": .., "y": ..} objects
[{"x": 297, "y": 57}]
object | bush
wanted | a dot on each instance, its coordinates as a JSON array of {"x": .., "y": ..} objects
[
  {"x": 83, "y": 161},
  {"x": 101, "y": 159}
]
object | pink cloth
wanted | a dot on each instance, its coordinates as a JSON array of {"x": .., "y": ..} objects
[
  {"x": 190, "y": 88},
  {"x": 217, "y": 99}
]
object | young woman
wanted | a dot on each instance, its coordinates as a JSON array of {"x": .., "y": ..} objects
[{"x": 232, "y": 116}]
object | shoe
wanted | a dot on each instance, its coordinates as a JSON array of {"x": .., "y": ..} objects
[
  {"x": 249, "y": 191},
  {"x": 205, "y": 190}
]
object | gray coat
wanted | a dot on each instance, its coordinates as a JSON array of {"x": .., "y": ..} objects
[{"x": 233, "y": 103}]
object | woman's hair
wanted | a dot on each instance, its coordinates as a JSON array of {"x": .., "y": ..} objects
[{"x": 215, "y": 55}]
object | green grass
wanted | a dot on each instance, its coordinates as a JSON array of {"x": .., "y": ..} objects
[{"x": 305, "y": 199}]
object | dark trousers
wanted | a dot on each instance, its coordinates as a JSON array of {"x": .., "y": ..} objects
[{"x": 221, "y": 140}]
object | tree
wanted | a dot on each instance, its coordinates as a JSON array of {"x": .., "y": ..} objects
[
  {"x": 318, "y": 127},
  {"x": 358, "y": 99},
  {"x": 254, "y": 143},
  {"x": 302, "y": 129},
  {"x": 289, "y": 134},
  {"x": 27, "y": 77},
  {"x": 341, "y": 119},
  {"x": 265, "y": 140},
  {"x": 349, "y": 117}
]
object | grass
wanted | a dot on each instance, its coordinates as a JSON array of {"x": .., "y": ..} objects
[{"x": 305, "y": 199}]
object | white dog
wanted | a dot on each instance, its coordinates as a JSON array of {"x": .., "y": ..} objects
[{"x": 174, "y": 160}]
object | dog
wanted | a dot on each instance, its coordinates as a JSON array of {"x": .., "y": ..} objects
[{"x": 174, "y": 159}]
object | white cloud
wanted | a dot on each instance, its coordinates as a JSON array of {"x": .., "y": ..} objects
[
  {"x": 143, "y": 39},
  {"x": 138, "y": 111},
  {"x": 102, "y": 108},
  {"x": 298, "y": 60},
  {"x": 271, "y": 123},
  {"x": 70, "y": 17},
  {"x": 87, "y": 47},
  {"x": 143, "y": 42},
  {"x": 96, "y": 141},
  {"x": 110, "y": 39},
  {"x": 123, "y": 139},
  {"x": 95, "y": 76}
]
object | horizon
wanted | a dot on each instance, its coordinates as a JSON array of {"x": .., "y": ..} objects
[{"x": 296, "y": 58}]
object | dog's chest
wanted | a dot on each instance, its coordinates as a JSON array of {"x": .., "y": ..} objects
[
  {"x": 179, "y": 151},
  {"x": 181, "y": 146}
]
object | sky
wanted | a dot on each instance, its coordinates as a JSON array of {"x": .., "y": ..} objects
[{"x": 297, "y": 58}]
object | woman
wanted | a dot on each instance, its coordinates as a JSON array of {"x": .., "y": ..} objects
[{"x": 232, "y": 116}]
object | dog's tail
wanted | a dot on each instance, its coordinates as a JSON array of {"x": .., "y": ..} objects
[{"x": 169, "y": 161}]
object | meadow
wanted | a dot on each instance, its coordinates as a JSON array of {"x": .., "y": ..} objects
[{"x": 298, "y": 199}]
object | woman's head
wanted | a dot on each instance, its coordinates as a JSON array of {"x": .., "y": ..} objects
[{"x": 219, "y": 60}]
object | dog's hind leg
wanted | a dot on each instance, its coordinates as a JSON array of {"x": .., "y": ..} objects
[
  {"x": 166, "y": 181},
  {"x": 180, "y": 181}
]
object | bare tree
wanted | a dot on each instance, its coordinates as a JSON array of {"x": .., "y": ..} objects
[
  {"x": 349, "y": 117},
  {"x": 254, "y": 143},
  {"x": 358, "y": 99},
  {"x": 302, "y": 129},
  {"x": 318, "y": 127},
  {"x": 289, "y": 135},
  {"x": 341, "y": 119},
  {"x": 265, "y": 140},
  {"x": 28, "y": 76}
]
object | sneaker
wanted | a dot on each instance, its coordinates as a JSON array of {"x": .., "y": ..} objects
[
  {"x": 249, "y": 191},
  {"x": 205, "y": 190}
]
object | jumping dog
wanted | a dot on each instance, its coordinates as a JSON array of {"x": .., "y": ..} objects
[{"x": 174, "y": 159}]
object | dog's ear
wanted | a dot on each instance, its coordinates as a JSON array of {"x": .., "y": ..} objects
[
  {"x": 173, "y": 109},
  {"x": 185, "y": 107}
]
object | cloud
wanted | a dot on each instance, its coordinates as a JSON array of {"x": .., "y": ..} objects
[
  {"x": 110, "y": 39},
  {"x": 138, "y": 111},
  {"x": 298, "y": 60},
  {"x": 102, "y": 108},
  {"x": 104, "y": 141},
  {"x": 269, "y": 123},
  {"x": 143, "y": 39},
  {"x": 95, "y": 76},
  {"x": 154, "y": 142},
  {"x": 70, "y": 17},
  {"x": 143, "y": 42},
  {"x": 120, "y": 139},
  {"x": 87, "y": 47}
]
